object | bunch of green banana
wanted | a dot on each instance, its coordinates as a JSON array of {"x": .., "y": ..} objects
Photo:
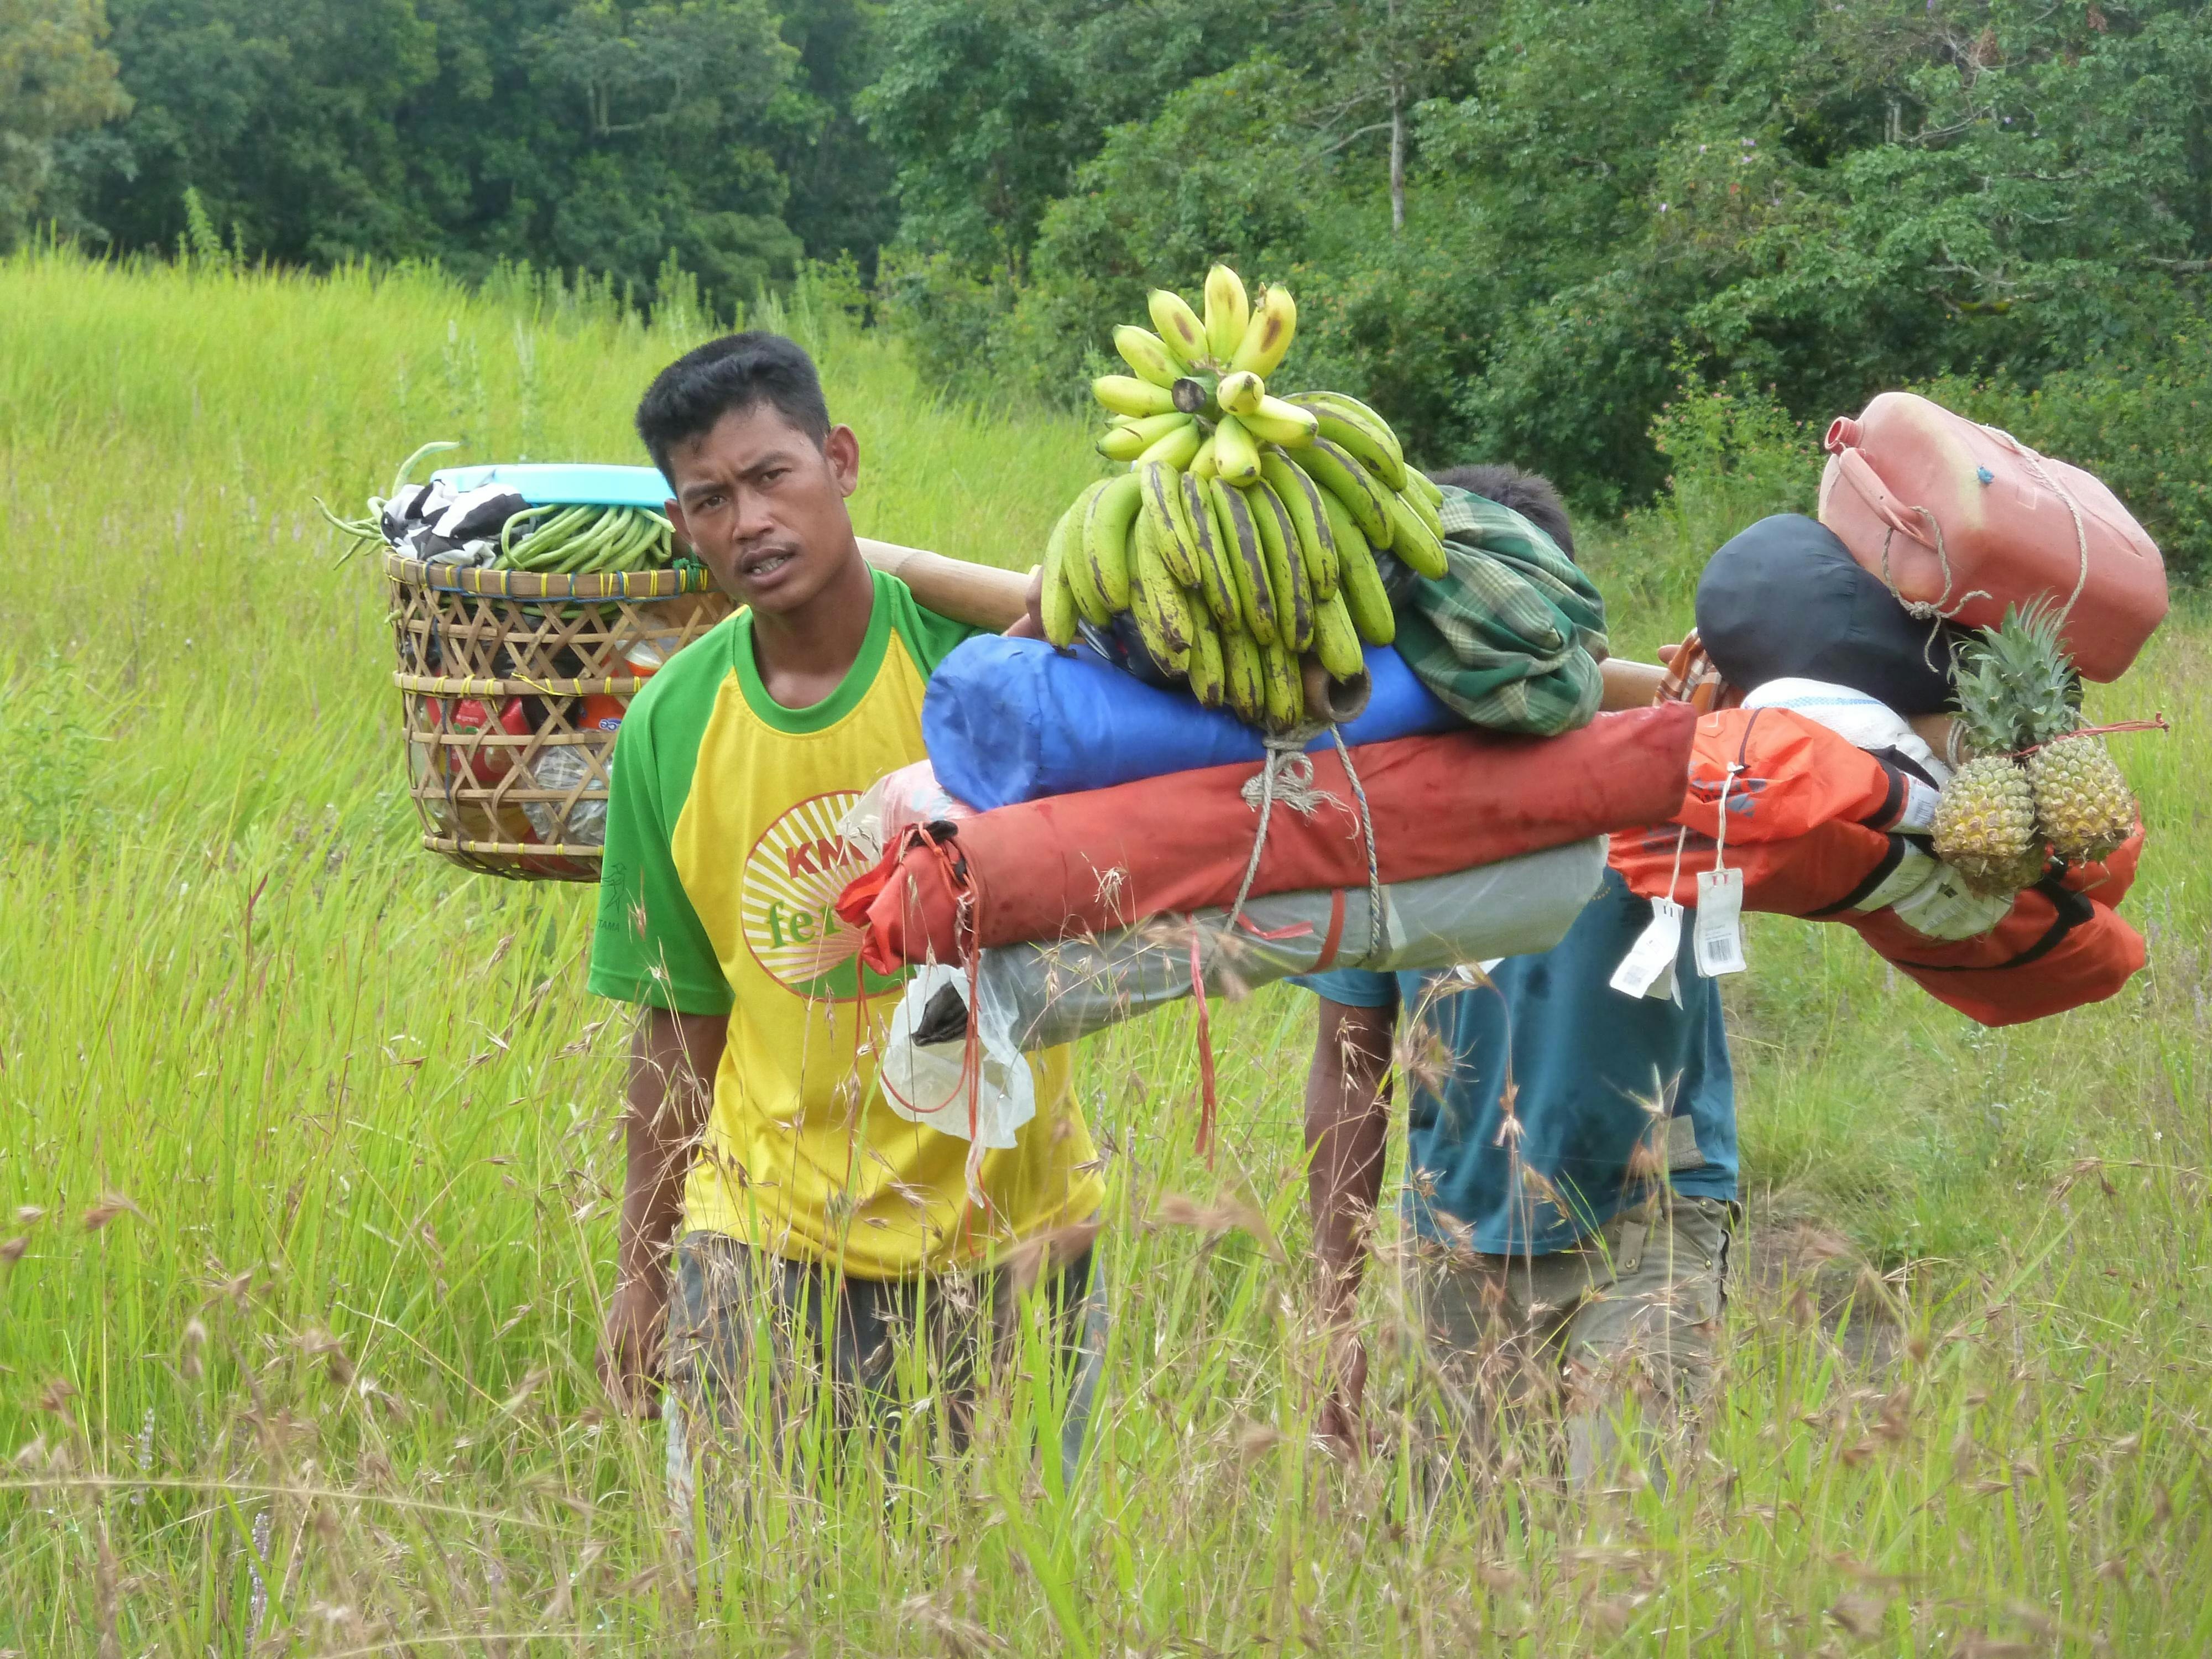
[
  {"x": 585, "y": 541},
  {"x": 1242, "y": 537}
]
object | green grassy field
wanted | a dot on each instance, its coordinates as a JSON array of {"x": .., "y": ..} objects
[{"x": 308, "y": 1149}]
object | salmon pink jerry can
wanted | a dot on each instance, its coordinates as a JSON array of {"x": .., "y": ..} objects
[{"x": 1969, "y": 520}]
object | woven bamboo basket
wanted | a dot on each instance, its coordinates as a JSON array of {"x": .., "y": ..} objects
[{"x": 510, "y": 686}]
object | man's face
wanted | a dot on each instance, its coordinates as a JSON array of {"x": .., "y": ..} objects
[{"x": 763, "y": 506}]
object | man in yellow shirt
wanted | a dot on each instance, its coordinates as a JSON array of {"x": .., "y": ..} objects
[{"x": 758, "y": 1145}]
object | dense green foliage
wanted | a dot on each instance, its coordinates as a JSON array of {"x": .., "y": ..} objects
[
  {"x": 1823, "y": 200},
  {"x": 572, "y": 134},
  {"x": 55, "y": 84},
  {"x": 1513, "y": 224}
]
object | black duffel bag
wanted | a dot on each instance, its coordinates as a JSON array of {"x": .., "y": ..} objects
[{"x": 1784, "y": 600}]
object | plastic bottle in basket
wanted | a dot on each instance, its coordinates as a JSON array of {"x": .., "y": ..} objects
[
  {"x": 643, "y": 658},
  {"x": 584, "y": 824},
  {"x": 564, "y": 768},
  {"x": 490, "y": 761}
]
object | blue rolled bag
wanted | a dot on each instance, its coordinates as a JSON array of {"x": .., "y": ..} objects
[{"x": 1012, "y": 721}]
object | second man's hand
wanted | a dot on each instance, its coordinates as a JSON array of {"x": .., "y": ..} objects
[{"x": 1031, "y": 625}]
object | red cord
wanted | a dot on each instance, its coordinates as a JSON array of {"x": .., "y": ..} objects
[
  {"x": 1205, "y": 1053},
  {"x": 2155, "y": 723}
]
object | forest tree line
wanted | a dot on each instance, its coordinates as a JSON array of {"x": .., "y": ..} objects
[{"x": 1517, "y": 226}]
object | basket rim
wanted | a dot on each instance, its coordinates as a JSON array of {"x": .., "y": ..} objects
[
  {"x": 511, "y": 848},
  {"x": 441, "y": 685},
  {"x": 502, "y": 584},
  {"x": 518, "y": 861}
]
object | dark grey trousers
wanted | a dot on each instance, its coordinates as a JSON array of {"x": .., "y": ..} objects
[{"x": 859, "y": 1340}]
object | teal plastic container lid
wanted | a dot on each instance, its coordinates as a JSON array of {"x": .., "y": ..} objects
[{"x": 581, "y": 484}]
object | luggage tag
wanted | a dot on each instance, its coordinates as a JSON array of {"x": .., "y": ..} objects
[
  {"x": 1648, "y": 969},
  {"x": 1918, "y": 817},
  {"x": 1719, "y": 936}
]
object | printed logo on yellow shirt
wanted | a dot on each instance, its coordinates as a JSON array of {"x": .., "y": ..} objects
[{"x": 792, "y": 879}]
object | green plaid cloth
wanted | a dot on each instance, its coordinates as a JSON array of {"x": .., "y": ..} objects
[{"x": 1511, "y": 636}]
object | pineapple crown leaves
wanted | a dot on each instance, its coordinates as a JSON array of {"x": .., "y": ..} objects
[{"x": 2017, "y": 687}]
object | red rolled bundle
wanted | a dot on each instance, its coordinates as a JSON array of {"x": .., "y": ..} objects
[{"x": 1069, "y": 864}]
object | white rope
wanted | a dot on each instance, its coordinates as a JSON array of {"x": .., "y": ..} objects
[
  {"x": 2081, "y": 533},
  {"x": 1287, "y": 776}
]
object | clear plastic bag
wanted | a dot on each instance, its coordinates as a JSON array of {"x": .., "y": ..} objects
[
  {"x": 925, "y": 1082},
  {"x": 1053, "y": 993},
  {"x": 896, "y": 801},
  {"x": 584, "y": 824}
]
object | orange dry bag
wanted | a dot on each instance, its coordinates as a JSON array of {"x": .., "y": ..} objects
[
  {"x": 2061, "y": 946},
  {"x": 1813, "y": 831},
  {"x": 1968, "y": 519}
]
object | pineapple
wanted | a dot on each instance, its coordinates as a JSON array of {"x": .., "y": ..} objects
[
  {"x": 1985, "y": 825},
  {"x": 2081, "y": 802},
  {"x": 2083, "y": 807}
]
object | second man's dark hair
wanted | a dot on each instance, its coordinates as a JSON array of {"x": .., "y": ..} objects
[
  {"x": 1529, "y": 494},
  {"x": 732, "y": 375}
]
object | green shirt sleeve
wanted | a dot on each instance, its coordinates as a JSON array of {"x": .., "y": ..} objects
[
  {"x": 649, "y": 945},
  {"x": 929, "y": 637}
]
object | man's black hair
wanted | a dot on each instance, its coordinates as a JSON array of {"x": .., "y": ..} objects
[
  {"x": 1529, "y": 494},
  {"x": 735, "y": 373}
]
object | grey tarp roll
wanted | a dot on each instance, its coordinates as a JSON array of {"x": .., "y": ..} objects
[{"x": 1055, "y": 993}]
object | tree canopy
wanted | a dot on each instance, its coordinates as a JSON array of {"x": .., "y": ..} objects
[{"x": 1515, "y": 225}]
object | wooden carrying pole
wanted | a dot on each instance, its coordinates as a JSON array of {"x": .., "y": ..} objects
[{"x": 983, "y": 596}]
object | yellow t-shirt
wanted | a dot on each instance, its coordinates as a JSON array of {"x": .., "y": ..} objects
[{"x": 723, "y": 861}]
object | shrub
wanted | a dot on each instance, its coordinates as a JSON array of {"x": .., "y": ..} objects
[
  {"x": 2139, "y": 422},
  {"x": 1734, "y": 455}
]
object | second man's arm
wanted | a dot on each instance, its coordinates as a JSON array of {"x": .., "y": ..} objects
[{"x": 1347, "y": 1128}]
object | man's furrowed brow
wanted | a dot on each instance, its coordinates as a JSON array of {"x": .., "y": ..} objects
[{"x": 782, "y": 455}]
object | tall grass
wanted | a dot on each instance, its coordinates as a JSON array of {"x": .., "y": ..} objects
[{"x": 313, "y": 1142}]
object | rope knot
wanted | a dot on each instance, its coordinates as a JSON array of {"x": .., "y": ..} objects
[{"x": 1287, "y": 775}]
